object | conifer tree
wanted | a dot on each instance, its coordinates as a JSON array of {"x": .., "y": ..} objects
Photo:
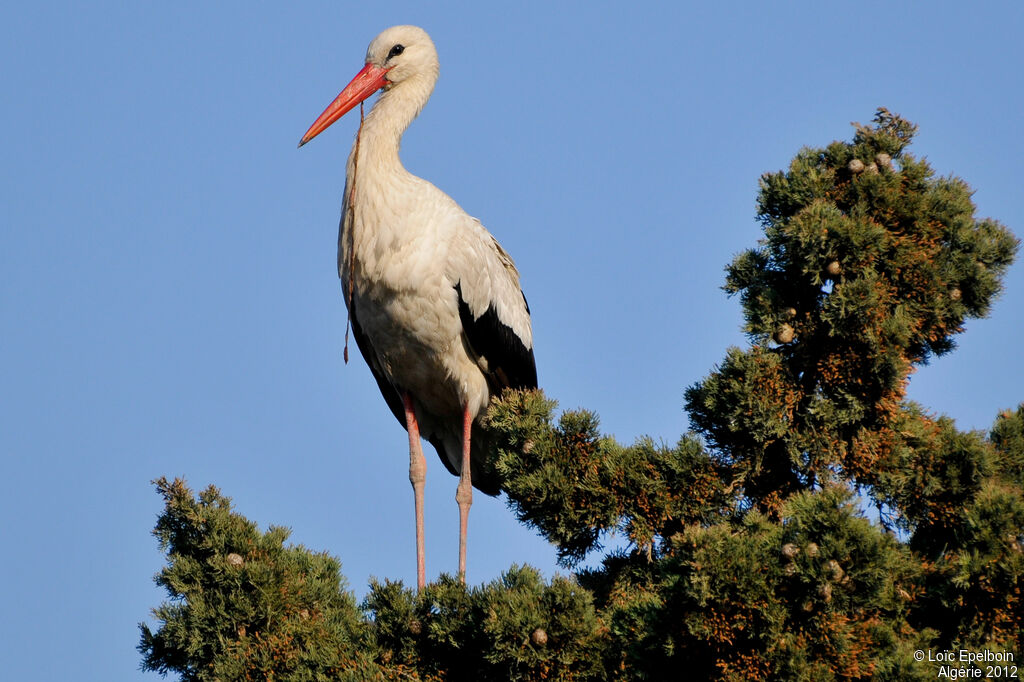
[
  {"x": 751, "y": 553},
  {"x": 244, "y": 606}
]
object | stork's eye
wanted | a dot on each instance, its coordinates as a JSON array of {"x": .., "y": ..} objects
[{"x": 396, "y": 50}]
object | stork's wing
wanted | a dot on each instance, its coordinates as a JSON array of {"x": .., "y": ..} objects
[
  {"x": 494, "y": 313},
  {"x": 387, "y": 389}
]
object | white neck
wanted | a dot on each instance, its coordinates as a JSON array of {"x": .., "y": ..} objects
[{"x": 381, "y": 134}]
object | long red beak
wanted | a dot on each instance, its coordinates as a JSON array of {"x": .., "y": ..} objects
[{"x": 368, "y": 81}]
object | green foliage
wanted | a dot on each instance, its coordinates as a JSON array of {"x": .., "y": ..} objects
[
  {"x": 870, "y": 264},
  {"x": 515, "y": 628},
  {"x": 972, "y": 593},
  {"x": 243, "y": 605},
  {"x": 932, "y": 471},
  {"x": 822, "y": 595},
  {"x": 1008, "y": 438},
  {"x": 572, "y": 484},
  {"x": 750, "y": 554},
  {"x": 871, "y": 261}
]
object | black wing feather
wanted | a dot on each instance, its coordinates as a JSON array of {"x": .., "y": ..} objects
[{"x": 510, "y": 363}]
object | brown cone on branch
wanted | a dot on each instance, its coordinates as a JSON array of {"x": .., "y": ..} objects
[
  {"x": 784, "y": 334},
  {"x": 539, "y": 637}
]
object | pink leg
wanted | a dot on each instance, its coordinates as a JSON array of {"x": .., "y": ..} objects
[
  {"x": 417, "y": 476},
  {"x": 464, "y": 493}
]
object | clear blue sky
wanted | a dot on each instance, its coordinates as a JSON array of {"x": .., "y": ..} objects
[{"x": 169, "y": 299}]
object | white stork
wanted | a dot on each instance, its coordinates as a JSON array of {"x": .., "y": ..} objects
[{"x": 434, "y": 300}]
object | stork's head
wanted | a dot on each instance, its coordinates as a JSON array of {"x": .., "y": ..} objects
[
  {"x": 403, "y": 52},
  {"x": 400, "y": 54}
]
